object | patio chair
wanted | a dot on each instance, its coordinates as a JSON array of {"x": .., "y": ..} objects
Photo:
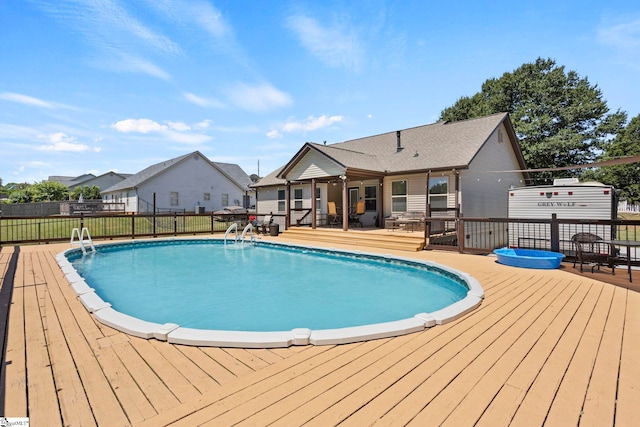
[
  {"x": 354, "y": 217},
  {"x": 591, "y": 249},
  {"x": 332, "y": 214},
  {"x": 266, "y": 224}
]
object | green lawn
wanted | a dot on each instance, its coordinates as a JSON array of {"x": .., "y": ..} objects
[{"x": 60, "y": 227}]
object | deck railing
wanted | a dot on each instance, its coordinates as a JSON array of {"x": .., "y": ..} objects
[
  {"x": 44, "y": 229},
  {"x": 463, "y": 234},
  {"x": 483, "y": 235}
]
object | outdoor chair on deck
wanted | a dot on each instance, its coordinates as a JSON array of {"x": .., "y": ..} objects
[
  {"x": 332, "y": 214},
  {"x": 591, "y": 249},
  {"x": 354, "y": 217},
  {"x": 266, "y": 224}
]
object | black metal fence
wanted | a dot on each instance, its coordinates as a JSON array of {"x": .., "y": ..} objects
[
  {"x": 44, "y": 229},
  {"x": 483, "y": 235}
]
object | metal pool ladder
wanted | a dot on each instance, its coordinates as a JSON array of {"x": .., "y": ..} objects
[
  {"x": 82, "y": 240},
  {"x": 234, "y": 227}
]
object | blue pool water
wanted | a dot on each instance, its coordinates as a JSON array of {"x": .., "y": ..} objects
[{"x": 204, "y": 284}]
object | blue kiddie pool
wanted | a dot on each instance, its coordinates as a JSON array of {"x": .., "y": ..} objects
[{"x": 529, "y": 258}]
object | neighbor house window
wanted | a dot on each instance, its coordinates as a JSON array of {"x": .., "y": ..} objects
[
  {"x": 225, "y": 200},
  {"x": 207, "y": 196},
  {"x": 297, "y": 198},
  {"x": 399, "y": 196},
  {"x": 281, "y": 201},
  {"x": 174, "y": 198},
  {"x": 438, "y": 192},
  {"x": 127, "y": 200},
  {"x": 370, "y": 197}
]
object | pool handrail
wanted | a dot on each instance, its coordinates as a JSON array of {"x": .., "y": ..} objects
[{"x": 232, "y": 227}]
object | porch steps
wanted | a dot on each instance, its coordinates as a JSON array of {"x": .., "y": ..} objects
[{"x": 375, "y": 239}]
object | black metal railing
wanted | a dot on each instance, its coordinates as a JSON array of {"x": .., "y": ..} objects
[{"x": 16, "y": 230}]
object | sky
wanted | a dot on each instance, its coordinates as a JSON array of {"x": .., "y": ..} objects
[{"x": 92, "y": 86}]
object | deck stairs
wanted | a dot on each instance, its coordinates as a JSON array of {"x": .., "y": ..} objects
[{"x": 377, "y": 238}]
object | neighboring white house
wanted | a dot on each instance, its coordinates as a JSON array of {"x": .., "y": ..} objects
[
  {"x": 190, "y": 182},
  {"x": 441, "y": 169}
]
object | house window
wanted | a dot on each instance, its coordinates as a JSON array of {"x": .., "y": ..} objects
[
  {"x": 207, "y": 197},
  {"x": 438, "y": 192},
  {"x": 399, "y": 196},
  {"x": 318, "y": 199},
  {"x": 225, "y": 200},
  {"x": 174, "y": 198},
  {"x": 127, "y": 199},
  {"x": 281, "y": 201},
  {"x": 297, "y": 198},
  {"x": 370, "y": 198}
]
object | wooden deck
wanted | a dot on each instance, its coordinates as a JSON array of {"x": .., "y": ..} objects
[{"x": 545, "y": 348}]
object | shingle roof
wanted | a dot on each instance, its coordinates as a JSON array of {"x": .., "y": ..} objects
[
  {"x": 436, "y": 146},
  {"x": 233, "y": 172}
]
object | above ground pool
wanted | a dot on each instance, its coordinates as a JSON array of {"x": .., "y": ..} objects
[
  {"x": 203, "y": 292},
  {"x": 529, "y": 258}
]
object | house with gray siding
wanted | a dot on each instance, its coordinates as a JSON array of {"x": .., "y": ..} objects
[
  {"x": 103, "y": 181},
  {"x": 441, "y": 169},
  {"x": 187, "y": 183}
]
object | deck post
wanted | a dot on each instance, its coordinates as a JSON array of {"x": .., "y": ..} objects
[
  {"x": 345, "y": 204},
  {"x": 555, "y": 233}
]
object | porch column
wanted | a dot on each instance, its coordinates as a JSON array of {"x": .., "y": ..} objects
[
  {"x": 345, "y": 204},
  {"x": 380, "y": 204},
  {"x": 313, "y": 204},
  {"x": 427, "y": 212},
  {"x": 287, "y": 218},
  {"x": 457, "y": 190}
]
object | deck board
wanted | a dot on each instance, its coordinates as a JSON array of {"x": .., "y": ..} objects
[
  {"x": 628, "y": 392},
  {"x": 545, "y": 347},
  {"x": 74, "y": 404}
]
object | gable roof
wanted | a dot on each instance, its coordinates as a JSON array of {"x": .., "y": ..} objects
[
  {"x": 437, "y": 146},
  {"x": 71, "y": 180},
  {"x": 233, "y": 172},
  {"x": 442, "y": 145}
]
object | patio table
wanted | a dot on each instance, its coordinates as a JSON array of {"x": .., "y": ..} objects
[{"x": 628, "y": 244}]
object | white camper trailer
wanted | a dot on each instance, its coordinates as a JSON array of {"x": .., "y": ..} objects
[{"x": 568, "y": 199}]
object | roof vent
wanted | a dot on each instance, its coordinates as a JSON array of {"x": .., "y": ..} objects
[
  {"x": 399, "y": 143},
  {"x": 566, "y": 181}
]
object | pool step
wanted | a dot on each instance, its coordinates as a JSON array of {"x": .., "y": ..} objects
[{"x": 388, "y": 240}]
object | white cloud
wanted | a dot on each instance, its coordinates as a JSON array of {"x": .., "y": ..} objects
[
  {"x": 180, "y": 126},
  {"x": 624, "y": 36},
  {"x": 337, "y": 45},
  {"x": 272, "y": 134},
  {"x": 138, "y": 125},
  {"x": 173, "y": 131},
  {"x": 312, "y": 123},
  {"x": 60, "y": 142},
  {"x": 260, "y": 98},
  {"x": 203, "y": 124},
  {"x": 31, "y": 101},
  {"x": 202, "y": 102},
  {"x": 119, "y": 39}
]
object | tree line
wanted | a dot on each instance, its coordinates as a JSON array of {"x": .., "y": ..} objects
[{"x": 46, "y": 191}]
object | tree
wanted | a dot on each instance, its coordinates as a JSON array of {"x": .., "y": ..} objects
[
  {"x": 623, "y": 177},
  {"x": 49, "y": 191},
  {"x": 559, "y": 117},
  {"x": 88, "y": 193},
  {"x": 21, "y": 196}
]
